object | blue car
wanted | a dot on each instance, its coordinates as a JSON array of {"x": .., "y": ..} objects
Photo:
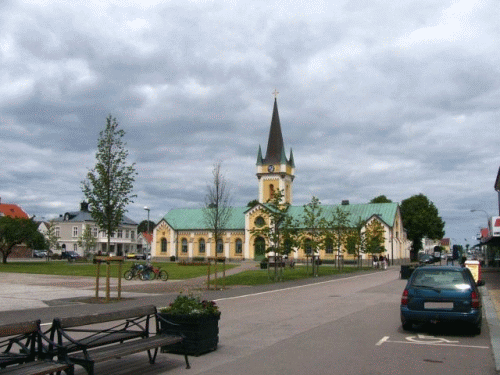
[{"x": 441, "y": 294}]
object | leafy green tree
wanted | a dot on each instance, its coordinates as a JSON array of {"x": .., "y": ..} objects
[
  {"x": 51, "y": 239},
  {"x": 280, "y": 230},
  {"x": 217, "y": 210},
  {"x": 313, "y": 236},
  {"x": 252, "y": 203},
  {"x": 421, "y": 219},
  {"x": 17, "y": 231},
  {"x": 143, "y": 226},
  {"x": 374, "y": 238},
  {"x": 108, "y": 187},
  {"x": 339, "y": 225},
  {"x": 87, "y": 241},
  {"x": 381, "y": 199},
  {"x": 355, "y": 242}
]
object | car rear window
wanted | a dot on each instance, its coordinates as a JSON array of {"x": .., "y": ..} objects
[{"x": 440, "y": 279}]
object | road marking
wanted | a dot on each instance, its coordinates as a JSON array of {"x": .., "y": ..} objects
[
  {"x": 296, "y": 287},
  {"x": 428, "y": 340}
]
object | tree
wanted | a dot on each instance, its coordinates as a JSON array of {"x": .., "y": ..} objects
[
  {"x": 355, "y": 242},
  {"x": 217, "y": 210},
  {"x": 381, "y": 199},
  {"x": 143, "y": 226},
  {"x": 280, "y": 230},
  {"x": 252, "y": 203},
  {"x": 339, "y": 225},
  {"x": 421, "y": 219},
  {"x": 314, "y": 235},
  {"x": 51, "y": 239},
  {"x": 374, "y": 238},
  {"x": 87, "y": 241},
  {"x": 108, "y": 187},
  {"x": 17, "y": 231}
]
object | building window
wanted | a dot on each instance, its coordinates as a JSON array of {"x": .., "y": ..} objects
[
  {"x": 259, "y": 222},
  {"x": 308, "y": 246},
  {"x": 239, "y": 246},
  {"x": 220, "y": 247},
  {"x": 163, "y": 245},
  {"x": 126, "y": 233},
  {"x": 132, "y": 235},
  {"x": 184, "y": 245},
  {"x": 58, "y": 231},
  {"x": 119, "y": 233},
  {"x": 75, "y": 231},
  {"x": 75, "y": 247},
  {"x": 95, "y": 231},
  {"x": 201, "y": 246}
]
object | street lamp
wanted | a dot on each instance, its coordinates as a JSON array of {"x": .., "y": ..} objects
[{"x": 147, "y": 245}]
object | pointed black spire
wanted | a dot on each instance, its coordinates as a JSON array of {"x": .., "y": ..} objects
[{"x": 275, "y": 145}]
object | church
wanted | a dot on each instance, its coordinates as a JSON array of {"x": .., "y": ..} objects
[{"x": 183, "y": 233}]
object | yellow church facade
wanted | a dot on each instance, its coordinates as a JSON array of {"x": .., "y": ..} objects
[{"x": 183, "y": 233}]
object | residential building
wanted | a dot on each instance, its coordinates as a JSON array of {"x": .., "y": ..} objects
[
  {"x": 183, "y": 233},
  {"x": 70, "y": 226},
  {"x": 15, "y": 211}
]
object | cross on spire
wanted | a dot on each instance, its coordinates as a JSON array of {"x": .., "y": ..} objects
[{"x": 275, "y": 93}]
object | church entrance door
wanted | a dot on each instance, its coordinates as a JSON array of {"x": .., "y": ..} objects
[{"x": 259, "y": 249}]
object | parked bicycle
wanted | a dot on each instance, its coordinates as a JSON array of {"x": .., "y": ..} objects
[
  {"x": 145, "y": 272},
  {"x": 134, "y": 271},
  {"x": 151, "y": 272}
]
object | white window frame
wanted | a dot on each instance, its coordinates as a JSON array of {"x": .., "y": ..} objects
[{"x": 75, "y": 231}]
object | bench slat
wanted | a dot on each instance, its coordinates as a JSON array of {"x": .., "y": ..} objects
[
  {"x": 15, "y": 329},
  {"x": 105, "y": 339},
  {"x": 35, "y": 368},
  {"x": 105, "y": 353},
  {"x": 79, "y": 321}
]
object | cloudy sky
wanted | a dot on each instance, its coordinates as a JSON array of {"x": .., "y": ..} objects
[{"x": 376, "y": 97}]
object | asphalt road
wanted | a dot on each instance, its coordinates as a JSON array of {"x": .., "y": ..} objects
[{"x": 337, "y": 326}]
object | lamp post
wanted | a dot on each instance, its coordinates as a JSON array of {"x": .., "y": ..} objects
[{"x": 147, "y": 241}]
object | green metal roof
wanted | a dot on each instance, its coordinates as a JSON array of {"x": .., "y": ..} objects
[
  {"x": 386, "y": 212},
  {"x": 192, "y": 218}
]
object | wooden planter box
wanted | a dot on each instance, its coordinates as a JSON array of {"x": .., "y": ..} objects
[{"x": 201, "y": 333}]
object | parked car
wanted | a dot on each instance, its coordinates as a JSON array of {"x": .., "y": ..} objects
[
  {"x": 441, "y": 294},
  {"x": 39, "y": 253},
  {"x": 136, "y": 256},
  {"x": 70, "y": 255},
  {"x": 426, "y": 259}
]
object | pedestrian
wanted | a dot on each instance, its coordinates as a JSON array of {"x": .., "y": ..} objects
[{"x": 375, "y": 262}]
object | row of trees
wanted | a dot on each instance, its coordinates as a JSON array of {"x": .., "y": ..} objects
[{"x": 313, "y": 231}]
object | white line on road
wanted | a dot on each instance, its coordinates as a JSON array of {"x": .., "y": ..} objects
[
  {"x": 294, "y": 287},
  {"x": 385, "y": 339}
]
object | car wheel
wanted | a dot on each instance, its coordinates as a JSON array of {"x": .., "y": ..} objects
[
  {"x": 476, "y": 329},
  {"x": 407, "y": 325}
]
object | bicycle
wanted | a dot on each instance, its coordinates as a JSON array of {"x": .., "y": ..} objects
[
  {"x": 135, "y": 271},
  {"x": 151, "y": 272}
]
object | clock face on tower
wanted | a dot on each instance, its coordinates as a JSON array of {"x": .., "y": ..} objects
[{"x": 270, "y": 168}]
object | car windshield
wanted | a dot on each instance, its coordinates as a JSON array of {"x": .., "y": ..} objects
[{"x": 440, "y": 279}]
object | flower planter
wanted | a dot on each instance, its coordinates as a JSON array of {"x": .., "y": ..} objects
[{"x": 201, "y": 333}]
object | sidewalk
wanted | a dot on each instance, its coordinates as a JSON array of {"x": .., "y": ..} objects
[
  {"x": 491, "y": 305},
  {"x": 28, "y": 291}
]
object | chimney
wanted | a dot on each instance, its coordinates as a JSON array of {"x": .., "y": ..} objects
[
  {"x": 84, "y": 207},
  {"x": 345, "y": 202}
]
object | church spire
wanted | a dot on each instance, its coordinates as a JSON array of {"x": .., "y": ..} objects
[{"x": 275, "y": 147}]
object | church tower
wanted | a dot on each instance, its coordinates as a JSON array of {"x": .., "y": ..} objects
[{"x": 275, "y": 171}]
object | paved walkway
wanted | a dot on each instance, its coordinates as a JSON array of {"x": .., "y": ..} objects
[{"x": 20, "y": 291}]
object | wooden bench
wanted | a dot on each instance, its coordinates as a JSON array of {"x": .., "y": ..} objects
[
  {"x": 21, "y": 351},
  {"x": 84, "y": 344}
]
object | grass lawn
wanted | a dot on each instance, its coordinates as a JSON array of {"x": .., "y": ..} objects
[
  {"x": 259, "y": 277},
  {"x": 65, "y": 268}
]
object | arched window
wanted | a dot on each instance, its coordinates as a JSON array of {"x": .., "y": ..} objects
[
  {"x": 220, "y": 247},
  {"x": 201, "y": 246},
  {"x": 271, "y": 191},
  {"x": 239, "y": 246},
  {"x": 184, "y": 245},
  {"x": 163, "y": 245},
  {"x": 308, "y": 246}
]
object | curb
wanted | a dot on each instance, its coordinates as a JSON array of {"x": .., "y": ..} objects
[{"x": 493, "y": 325}]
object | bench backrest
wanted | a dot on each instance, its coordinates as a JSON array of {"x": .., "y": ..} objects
[
  {"x": 78, "y": 321},
  {"x": 15, "y": 329}
]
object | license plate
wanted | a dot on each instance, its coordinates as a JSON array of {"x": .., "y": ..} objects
[{"x": 438, "y": 305}]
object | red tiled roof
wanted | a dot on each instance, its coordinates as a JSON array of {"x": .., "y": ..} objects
[
  {"x": 13, "y": 210},
  {"x": 445, "y": 242},
  {"x": 148, "y": 236}
]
